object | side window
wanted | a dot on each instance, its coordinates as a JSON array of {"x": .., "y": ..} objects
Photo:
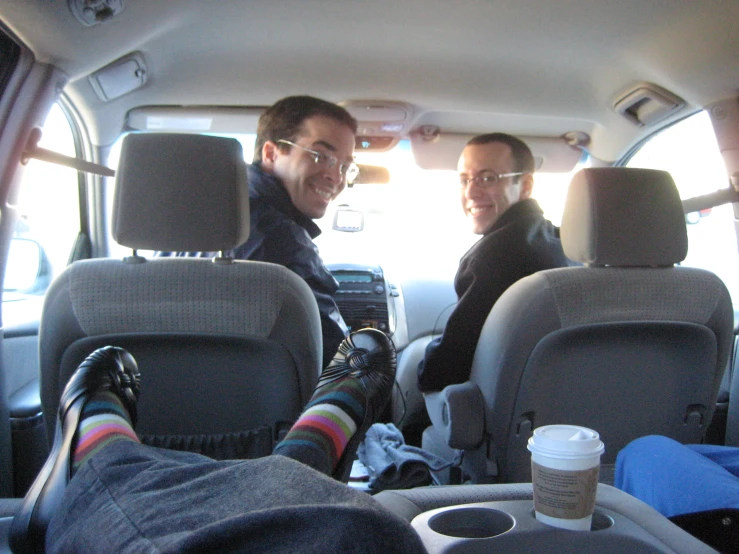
[
  {"x": 47, "y": 226},
  {"x": 689, "y": 151}
]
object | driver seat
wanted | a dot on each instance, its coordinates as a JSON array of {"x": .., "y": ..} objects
[{"x": 229, "y": 350}]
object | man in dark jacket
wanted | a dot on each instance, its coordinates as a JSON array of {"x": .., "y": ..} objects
[
  {"x": 302, "y": 156},
  {"x": 496, "y": 180}
]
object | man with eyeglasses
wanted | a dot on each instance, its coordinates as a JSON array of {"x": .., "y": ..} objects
[
  {"x": 303, "y": 156},
  {"x": 496, "y": 180}
]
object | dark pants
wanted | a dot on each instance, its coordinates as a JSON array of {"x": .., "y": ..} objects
[{"x": 135, "y": 498}]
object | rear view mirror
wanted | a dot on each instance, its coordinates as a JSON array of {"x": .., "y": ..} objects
[{"x": 28, "y": 269}]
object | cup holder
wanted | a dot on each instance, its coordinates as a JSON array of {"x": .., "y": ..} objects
[
  {"x": 599, "y": 522},
  {"x": 471, "y": 523}
]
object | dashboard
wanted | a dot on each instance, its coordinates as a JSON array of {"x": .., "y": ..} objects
[
  {"x": 364, "y": 297},
  {"x": 411, "y": 311},
  {"x": 406, "y": 310}
]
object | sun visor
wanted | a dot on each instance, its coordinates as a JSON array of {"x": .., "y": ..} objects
[
  {"x": 173, "y": 119},
  {"x": 442, "y": 150}
]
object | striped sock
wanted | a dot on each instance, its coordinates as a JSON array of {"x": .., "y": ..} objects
[
  {"x": 103, "y": 421},
  {"x": 320, "y": 435}
]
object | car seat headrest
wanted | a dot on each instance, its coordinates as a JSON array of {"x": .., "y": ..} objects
[
  {"x": 180, "y": 192},
  {"x": 625, "y": 217}
]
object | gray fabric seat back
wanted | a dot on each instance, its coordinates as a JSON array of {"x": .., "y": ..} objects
[
  {"x": 628, "y": 344},
  {"x": 229, "y": 350}
]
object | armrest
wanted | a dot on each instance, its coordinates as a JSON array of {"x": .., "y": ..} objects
[
  {"x": 25, "y": 403},
  {"x": 458, "y": 413}
]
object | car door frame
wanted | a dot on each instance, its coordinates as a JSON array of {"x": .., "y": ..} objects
[{"x": 26, "y": 97}]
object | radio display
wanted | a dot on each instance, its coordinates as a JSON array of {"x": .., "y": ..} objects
[{"x": 353, "y": 277}]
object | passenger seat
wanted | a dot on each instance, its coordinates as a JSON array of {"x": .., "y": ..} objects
[{"x": 630, "y": 344}]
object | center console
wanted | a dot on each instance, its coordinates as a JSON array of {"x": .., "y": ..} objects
[{"x": 500, "y": 518}]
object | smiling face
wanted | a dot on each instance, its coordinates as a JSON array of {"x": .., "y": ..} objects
[
  {"x": 483, "y": 205},
  {"x": 311, "y": 185}
]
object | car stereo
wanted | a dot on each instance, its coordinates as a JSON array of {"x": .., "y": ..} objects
[{"x": 362, "y": 296}]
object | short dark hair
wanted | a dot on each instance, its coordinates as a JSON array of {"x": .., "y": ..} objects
[
  {"x": 284, "y": 119},
  {"x": 523, "y": 159}
]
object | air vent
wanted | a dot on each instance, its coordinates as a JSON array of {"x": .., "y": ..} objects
[
  {"x": 352, "y": 311},
  {"x": 647, "y": 104}
]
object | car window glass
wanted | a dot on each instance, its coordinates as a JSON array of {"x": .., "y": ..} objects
[
  {"x": 48, "y": 222},
  {"x": 689, "y": 151}
]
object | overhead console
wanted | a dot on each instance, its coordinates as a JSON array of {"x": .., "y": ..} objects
[{"x": 380, "y": 123}]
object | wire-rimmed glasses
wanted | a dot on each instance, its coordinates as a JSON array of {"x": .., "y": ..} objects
[
  {"x": 348, "y": 170},
  {"x": 486, "y": 180}
]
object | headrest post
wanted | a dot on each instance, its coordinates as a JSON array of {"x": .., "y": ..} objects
[
  {"x": 134, "y": 258},
  {"x": 222, "y": 259}
]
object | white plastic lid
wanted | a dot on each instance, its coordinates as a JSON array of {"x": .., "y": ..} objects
[{"x": 566, "y": 441}]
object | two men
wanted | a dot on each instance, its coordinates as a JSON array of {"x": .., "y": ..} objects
[
  {"x": 496, "y": 181},
  {"x": 302, "y": 156}
]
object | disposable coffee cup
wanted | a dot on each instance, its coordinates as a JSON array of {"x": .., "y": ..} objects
[{"x": 565, "y": 462}]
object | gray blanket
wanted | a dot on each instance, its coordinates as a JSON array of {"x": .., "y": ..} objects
[{"x": 392, "y": 464}]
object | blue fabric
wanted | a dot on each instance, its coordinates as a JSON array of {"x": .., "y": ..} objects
[
  {"x": 391, "y": 463},
  {"x": 136, "y": 498},
  {"x": 519, "y": 243},
  {"x": 280, "y": 234},
  {"x": 676, "y": 479}
]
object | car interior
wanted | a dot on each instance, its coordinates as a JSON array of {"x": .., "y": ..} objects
[{"x": 125, "y": 130}]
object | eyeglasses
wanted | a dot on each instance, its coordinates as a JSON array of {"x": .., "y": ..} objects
[
  {"x": 487, "y": 180},
  {"x": 348, "y": 170}
]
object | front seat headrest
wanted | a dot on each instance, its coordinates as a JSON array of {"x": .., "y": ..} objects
[
  {"x": 626, "y": 217},
  {"x": 179, "y": 192}
]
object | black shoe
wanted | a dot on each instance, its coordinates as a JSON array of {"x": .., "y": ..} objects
[
  {"x": 369, "y": 356},
  {"x": 108, "y": 368}
]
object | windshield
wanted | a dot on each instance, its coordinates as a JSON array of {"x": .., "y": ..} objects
[{"x": 413, "y": 225}]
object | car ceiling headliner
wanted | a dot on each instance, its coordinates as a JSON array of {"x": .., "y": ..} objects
[{"x": 533, "y": 67}]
